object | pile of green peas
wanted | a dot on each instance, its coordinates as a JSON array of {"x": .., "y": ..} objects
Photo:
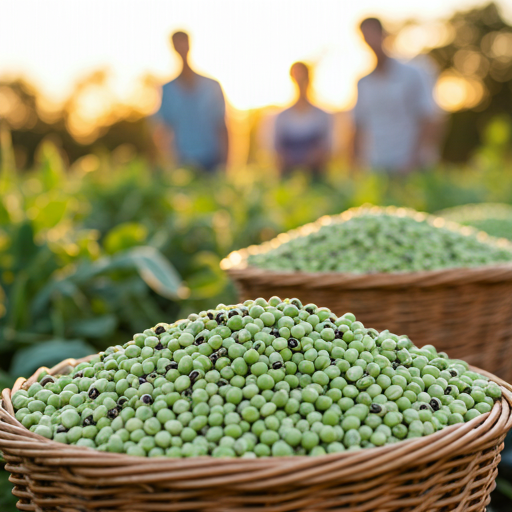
[
  {"x": 380, "y": 242},
  {"x": 262, "y": 378}
]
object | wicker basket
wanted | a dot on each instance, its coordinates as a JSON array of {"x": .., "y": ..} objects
[
  {"x": 451, "y": 470},
  {"x": 466, "y": 312}
]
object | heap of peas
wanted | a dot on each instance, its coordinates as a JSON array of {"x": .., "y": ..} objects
[
  {"x": 376, "y": 241},
  {"x": 254, "y": 380}
]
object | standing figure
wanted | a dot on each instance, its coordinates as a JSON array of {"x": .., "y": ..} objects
[
  {"x": 394, "y": 110},
  {"x": 193, "y": 110},
  {"x": 303, "y": 132}
]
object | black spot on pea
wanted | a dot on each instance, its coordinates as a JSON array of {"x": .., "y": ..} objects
[
  {"x": 89, "y": 421},
  {"x": 468, "y": 390},
  {"x": 160, "y": 329},
  {"x": 435, "y": 404},
  {"x": 277, "y": 365},
  {"x": 142, "y": 380},
  {"x": 93, "y": 393},
  {"x": 113, "y": 413},
  {"x": 448, "y": 390},
  {"x": 199, "y": 340},
  {"x": 122, "y": 401},
  {"x": 233, "y": 312},
  {"x": 147, "y": 399},
  {"x": 159, "y": 346},
  {"x": 47, "y": 379},
  {"x": 173, "y": 365},
  {"x": 152, "y": 377},
  {"x": 338, "y": 334},
  {"x": 78, "y": 375},
  {"x": 193, "y": 375},
  {"x": 293, "y": 343},
  {"x": 209, "y": 315},
  {"x": 375, "y": 408}
]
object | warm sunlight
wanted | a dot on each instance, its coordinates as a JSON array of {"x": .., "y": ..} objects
[{"x": 248, "y": 46}]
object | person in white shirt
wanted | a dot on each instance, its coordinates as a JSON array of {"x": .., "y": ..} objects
[
  {"x": 393, "y": 112},
  {"x": 303, "y": 132}
]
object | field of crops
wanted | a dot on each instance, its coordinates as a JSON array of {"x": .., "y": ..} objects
[{"x": 89, "y": 257}]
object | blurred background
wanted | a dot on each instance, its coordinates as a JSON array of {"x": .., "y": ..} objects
[{"x": 105, "y": 228}]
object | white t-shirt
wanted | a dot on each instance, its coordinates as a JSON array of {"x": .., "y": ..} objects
[{"x": 390, "y": 108}]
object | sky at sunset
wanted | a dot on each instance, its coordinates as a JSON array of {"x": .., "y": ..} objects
[{"x": 248, "y": 45}]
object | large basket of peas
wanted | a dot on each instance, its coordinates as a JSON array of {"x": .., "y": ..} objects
[
  {"x": 437, "y": 281},
  {"x": 261, "y": 405}
]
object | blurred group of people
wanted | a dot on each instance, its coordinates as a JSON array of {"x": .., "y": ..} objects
[{"x": 396, "y": 120}]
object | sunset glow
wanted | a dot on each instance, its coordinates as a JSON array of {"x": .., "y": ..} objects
[{"x": 248, "y": 46}]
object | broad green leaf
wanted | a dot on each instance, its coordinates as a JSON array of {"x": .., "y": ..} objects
[
  {"x": 152, "y": 266},
  {"x": 65, "y": 287},
  {"x": 97, "y": 327},
  {"x": 27, "y": 360},
  {"x": 158, "y": 273}
]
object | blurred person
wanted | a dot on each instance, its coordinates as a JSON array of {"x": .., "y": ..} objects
[
  {"x": 193, "y": 109},
  {"x": 394, "y": 110},
  {"x": 303, "y": 132}
]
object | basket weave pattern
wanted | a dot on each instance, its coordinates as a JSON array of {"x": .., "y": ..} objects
[
  {"x": 466, "y": 312},
  {"x": 451, "y": 470}
]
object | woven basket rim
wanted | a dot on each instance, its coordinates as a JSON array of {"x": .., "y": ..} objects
[
  {"x": 426, "y": 278},
  {"x": 12, "y": 430},
  {"x": 236, "y": 263}
]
